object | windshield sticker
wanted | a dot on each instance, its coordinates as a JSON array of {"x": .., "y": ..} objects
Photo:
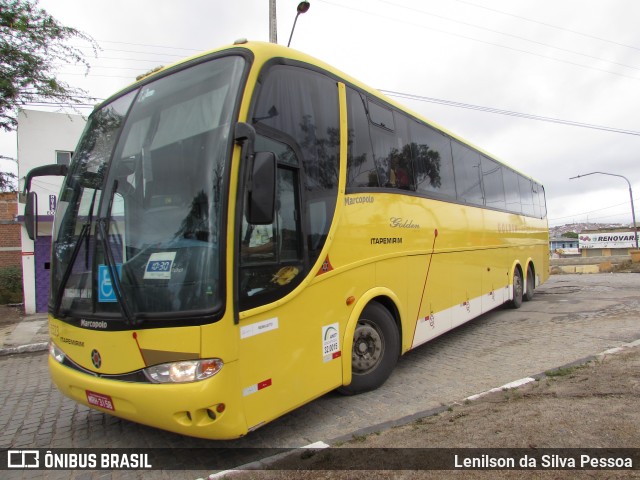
[
  {"x": 159, "y": 266},
  {"x": 330, "y": 342},
  {"x": 259, "y": 327},
  {"x": 105, "y": 286}
]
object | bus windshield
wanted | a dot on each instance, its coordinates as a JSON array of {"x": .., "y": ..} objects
[{"x": 139, "y": 225}]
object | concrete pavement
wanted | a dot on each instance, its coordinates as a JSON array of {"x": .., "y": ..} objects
[
  {"x": 30, "y": 334},
  {"x": 572, "y": 317}
]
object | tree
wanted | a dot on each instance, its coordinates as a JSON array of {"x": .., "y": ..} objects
[
  {"x": 32, "y": 46},
  {"x": 8, "y": 182},
  {"x": 570, "y": 235}
]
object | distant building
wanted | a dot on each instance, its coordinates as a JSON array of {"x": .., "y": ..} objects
[
  {"x": 43, "y": 138},
  {"x": 607, "y": 243},
  {"x": 564, "y": 246}
]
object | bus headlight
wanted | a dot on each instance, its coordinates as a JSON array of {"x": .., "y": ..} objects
[
  {"x": 56, "y": 353},
  {"x": 184, "y": 371}
]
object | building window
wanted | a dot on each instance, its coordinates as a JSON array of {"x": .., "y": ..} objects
[{"x": 63, "y": 157}]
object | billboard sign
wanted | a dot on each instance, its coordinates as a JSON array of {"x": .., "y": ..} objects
[{"x": 607, "y": 240}]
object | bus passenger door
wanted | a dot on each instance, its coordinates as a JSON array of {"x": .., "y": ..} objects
[
  {"x": 296, "y": 116},
  {"x": 280, "y": 343}
]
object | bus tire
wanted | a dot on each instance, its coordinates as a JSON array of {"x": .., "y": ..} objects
[
  {"x": 376, "y": 345},
  {"x": 531, "y": 285},
  {"x": 517, "y": 289}
]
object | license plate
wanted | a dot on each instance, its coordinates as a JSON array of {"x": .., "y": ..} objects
[{"x": 99, "y": 400}]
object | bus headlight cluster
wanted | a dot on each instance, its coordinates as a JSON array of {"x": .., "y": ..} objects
[
  {"x": 56, "y": 353},
  {"x": 184, "y": 371}
]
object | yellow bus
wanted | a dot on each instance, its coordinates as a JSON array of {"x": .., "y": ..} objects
[{"x": 247, "y": 230}]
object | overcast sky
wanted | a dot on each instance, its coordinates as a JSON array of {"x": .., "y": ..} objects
[{"x": 566, "y": 60}]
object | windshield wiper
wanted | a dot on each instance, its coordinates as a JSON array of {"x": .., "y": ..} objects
[
  {"x": 129, "y": 318},
  {"x": 67, "y": 272},
  {"x": 103, "y": 227}
]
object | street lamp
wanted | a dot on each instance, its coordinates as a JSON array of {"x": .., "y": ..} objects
[
  {"x": 633, "y": 212},
  {"x": 303, "y": 7}
]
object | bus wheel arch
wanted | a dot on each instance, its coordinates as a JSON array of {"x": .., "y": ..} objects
[
  {"x": 517, "y": 287},
  {"x": 530, "y": 282},
  {"x": 372, "y": 346}
]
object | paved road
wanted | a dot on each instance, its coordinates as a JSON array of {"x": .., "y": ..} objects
[{"x": 571, "y": 317}]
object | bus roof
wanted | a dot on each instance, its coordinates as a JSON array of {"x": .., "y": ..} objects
[{"x": 264, "y": 51}]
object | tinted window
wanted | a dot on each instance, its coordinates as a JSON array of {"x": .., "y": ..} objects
[
  {"x": 493, "y": 183},
  {"x": 467, "y": 170},
  {"x": 511, "y": 190},
  {"x": 539, "y": 207},
  {"x": 381, "y": 116},
  {"x": 542, "y": 201},
  {"x": 301, "y": 107},
  {"x": 361, "y": 169},
  {"x": 432, "y": 162},
  {"x": 383, "y": 142},
  {"x": 400, "y": 157},
  {"x": 526, "y": 196}
]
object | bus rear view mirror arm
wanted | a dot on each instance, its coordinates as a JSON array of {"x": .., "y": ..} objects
[
  {"x": 45, "y": 170},
  {"x": 31, "y": 207}
]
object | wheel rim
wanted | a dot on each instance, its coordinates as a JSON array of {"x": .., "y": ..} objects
[{"x": 368, "y": 347}]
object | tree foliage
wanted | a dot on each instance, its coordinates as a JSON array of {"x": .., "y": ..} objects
[
  {"x": 8, "y": 182},
  {"x": 33, "y": 45}
]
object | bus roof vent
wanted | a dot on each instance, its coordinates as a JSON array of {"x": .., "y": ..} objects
[{"x": 240, "y": 41}]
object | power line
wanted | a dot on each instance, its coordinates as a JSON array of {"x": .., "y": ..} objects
[
  {"x": 151, "y": 46},
  {"x": 480, "y": 27},
  {"x": 593, "y": 211},
  {"x": 502, "y": 12},
  {"x": 179, "y": 55},
  {"x": 528, "y": 116},
  {"x": 466, "y": 37}
]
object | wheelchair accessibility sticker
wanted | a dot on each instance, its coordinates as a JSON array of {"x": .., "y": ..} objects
[{"x": 105, "y": 286}]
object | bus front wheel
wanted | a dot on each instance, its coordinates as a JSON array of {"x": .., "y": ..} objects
[
  {"x": 376, "y": 343},
  {"x": 518, "y": 288}
]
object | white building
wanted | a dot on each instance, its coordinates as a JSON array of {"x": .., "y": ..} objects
[{"x": 43, "y": 138}]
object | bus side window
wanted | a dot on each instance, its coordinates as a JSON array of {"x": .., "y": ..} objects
[
  {"x": 401, "y": 165},
  {"x": 512, "y": 192},
  {"x": 432, "y": 161},
  {"x": 466, "y": 163},
  {"x": 361, "y": 170},
  {"x": 526, "y": 196},
  {"x": 493, "y": 183}
]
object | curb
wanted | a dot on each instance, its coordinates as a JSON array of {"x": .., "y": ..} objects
[{"x": 34, "y": 347}]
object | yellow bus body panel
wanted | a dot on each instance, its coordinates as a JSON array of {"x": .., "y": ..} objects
[{"x": 184, "y": 408}]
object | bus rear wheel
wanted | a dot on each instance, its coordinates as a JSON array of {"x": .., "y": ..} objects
[
  {"x": 516, "y": 301},
  {"x": 531, "y": 285},
  {"x": 376, "y": 343}
]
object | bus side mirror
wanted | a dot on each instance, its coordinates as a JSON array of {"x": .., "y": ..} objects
[
  {"x": 262, "y": 195},
  {"x": 31, "y": 214}
]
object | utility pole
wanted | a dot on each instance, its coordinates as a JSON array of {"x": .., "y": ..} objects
[
  {"x": 633, "y": 211},
  {"x": 273, "y": 23}
]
